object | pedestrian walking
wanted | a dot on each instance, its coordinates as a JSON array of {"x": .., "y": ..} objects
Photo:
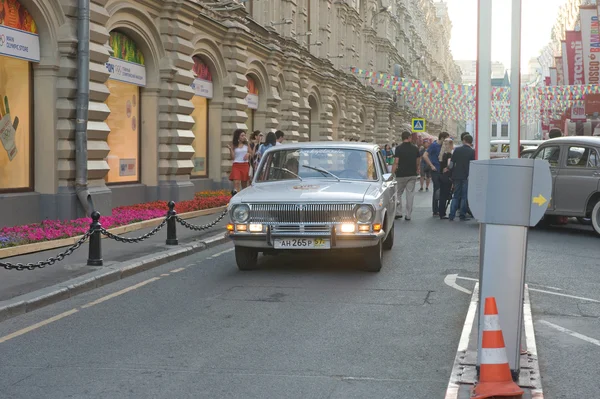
[
  {"x": 240, "y": 154},
  {"x": 406, "y": 170},
  {"x": 459, "y": 163},
  {"x": 446, "y": 178},
  {"x": 425, "y": 172},
  {"x": 432, "y": 159}
]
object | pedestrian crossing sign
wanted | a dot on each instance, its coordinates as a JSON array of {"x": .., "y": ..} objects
[{"x": 418, "y": 125}]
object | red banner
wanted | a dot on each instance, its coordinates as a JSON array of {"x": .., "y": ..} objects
[{"x": 576, "y": 73}]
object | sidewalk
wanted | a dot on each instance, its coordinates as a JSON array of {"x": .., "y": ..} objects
[{"x": 14, "y": 283}]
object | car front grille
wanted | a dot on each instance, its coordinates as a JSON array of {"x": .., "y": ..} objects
[{"x": 302, "y": 214}]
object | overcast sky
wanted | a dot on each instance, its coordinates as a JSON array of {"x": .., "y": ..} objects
[{"x": 538, "y": 18}]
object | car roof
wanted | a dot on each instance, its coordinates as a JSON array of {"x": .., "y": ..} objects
[
  {"x": 590, "y": 140},
  {"x": 329, "y": 144}
]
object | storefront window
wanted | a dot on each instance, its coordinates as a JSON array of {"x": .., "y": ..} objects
[
  {"x": 251, "y": 102},
  {"x": 19, "y": 47},
  {"x": 127, "y": 75},
  {"x": 203, "y": 88}
]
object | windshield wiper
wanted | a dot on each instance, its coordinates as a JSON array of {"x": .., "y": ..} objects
[
  {"x": 287, "y": 171},
  {"x": 321, "y": 170}
]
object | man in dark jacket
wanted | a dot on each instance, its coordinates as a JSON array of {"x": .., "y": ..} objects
[{"x": 461, "y": 159}]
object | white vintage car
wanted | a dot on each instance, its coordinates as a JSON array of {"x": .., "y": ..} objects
[{"x": 316, "y": 196}]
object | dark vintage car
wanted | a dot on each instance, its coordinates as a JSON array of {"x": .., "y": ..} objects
[{"x": 575, "y": 166}]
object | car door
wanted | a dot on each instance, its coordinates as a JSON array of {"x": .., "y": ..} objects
[
  {"x": 577, "y": 180},
  {"x": 552, "y": 154},
  {"x": 390, "y": 191}
]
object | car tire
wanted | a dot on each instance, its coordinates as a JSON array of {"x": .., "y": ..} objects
[
  {"x": 389, "y": 240},
  {"x": 596, "y": 218},
  {"x": 246, "y": 258},
  {"x": 373, "y": 258}
]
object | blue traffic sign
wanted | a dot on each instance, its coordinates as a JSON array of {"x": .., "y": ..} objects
[{"x": 418, "y": 125}]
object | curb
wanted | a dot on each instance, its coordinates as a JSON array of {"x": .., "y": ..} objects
[
  {"x": 102, "y": 276},
  {"x": 128, "y": 228}
]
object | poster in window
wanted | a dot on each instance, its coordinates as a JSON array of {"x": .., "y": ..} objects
[
  {"x": 18, "y": 32},
  {"x": 252, "y": 96},
  {"x": 127, "y": 62},
  {"x": 202, "y": 85},
  {"x": 15, "y": 128},
  {"x": 200, "y": 130},
  {"x": 123, "y": 138}
]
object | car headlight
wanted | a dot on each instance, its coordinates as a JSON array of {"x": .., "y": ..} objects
[
  {"x": 364, "y": 214},
  {"x": 240, "y": 213}
]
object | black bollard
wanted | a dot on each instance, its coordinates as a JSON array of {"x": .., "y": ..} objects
[
  {"x": 172, "y": 225},
  {"x": 95, "y": 249}
]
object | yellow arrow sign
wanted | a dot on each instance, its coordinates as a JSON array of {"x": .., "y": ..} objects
[{"x": 539, "y": 200}]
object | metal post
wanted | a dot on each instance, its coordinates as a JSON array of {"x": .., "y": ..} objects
[
  {"x": 484, "y": 79},
  {"x": 172, "y": 225},
  {"x": 95, "y": 247},
  {"x": 515, "y": 81}
]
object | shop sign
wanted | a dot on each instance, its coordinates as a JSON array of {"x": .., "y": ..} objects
[
  {"x": 252, "y": 101},
  {"x": 202, "y": 88},
  {"x": 19, "y": 44},
  {"x": 578, "y": 111},
  {"x": 127, "y": 167},
  {"x": 127, "y": 72}
]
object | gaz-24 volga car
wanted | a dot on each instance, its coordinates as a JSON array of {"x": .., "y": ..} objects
[{"x": 319, "y": 197}]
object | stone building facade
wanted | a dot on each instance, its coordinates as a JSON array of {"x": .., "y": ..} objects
[{"x": 292, "y": 56}]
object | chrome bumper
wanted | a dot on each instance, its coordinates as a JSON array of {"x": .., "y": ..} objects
[{"x": 338, "y": 241}]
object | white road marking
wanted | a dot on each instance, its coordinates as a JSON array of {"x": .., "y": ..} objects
[
  {"x": 528, "y": 321},
  {"x": 116, "y": 294},
  {"x": 220, "y": 253},
  {"x": 38, "y": 325},
  {"x": 542, "y": 291},
  {"x": 178, "y": 270},
  {"x": 571, "y": 333},
  {"x": 463, "y": 344},
  {"x": 565, "y": 295},
  {"x": 450, "y": 281}
]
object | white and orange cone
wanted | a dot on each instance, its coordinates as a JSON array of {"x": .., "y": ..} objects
[{"x": 495, "y": 379}]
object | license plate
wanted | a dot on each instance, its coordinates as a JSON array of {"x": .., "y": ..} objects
[{"x": 302, "y": 243}]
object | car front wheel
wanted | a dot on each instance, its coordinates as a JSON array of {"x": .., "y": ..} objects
[
  {"x": 373, "y": 258},
  {"x": 389, "y": 240},
  {"x": 246, "y": 258},
  {"x": 596, "y": 218}
]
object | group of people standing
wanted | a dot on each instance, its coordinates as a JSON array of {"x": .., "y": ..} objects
[
  {"x": 441, "y": 163},
  {"x": 246, "y": 154}
]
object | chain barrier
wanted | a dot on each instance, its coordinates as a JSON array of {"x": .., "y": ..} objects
[
  {"x": 201, "y": 228},
  {"x": 96, "y": 231},
  {"x": 134, "y": 240},
  {"x": 50, "y": 261}
]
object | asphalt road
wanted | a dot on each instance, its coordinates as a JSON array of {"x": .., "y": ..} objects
[{"x": 301, "y": 327}]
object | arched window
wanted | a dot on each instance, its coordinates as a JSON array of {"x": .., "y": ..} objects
[
  {"x": 19, "y": 48},
  {"x": 127, "y": 75},
  {"x": 203, "y": 88},
  {"x": 251, "y": 102}
]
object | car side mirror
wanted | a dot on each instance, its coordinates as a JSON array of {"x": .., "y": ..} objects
[{"x": 388, "y": 177}]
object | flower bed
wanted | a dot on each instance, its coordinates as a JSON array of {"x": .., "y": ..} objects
[{"x": 123, "y": 215}]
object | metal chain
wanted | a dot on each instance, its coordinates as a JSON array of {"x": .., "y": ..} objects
[
  {"x": 134, "y": 240},
  {"x": 201, "y": 228},
  {"x": 50, "y": 261}
]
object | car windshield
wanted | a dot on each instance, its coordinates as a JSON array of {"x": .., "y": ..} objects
[{"x": 317, "y": 163}]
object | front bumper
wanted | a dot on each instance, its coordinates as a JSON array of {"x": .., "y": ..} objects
[{"x": 338, "y": 241}]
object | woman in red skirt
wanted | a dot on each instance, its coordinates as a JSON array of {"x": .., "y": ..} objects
[{"x": 240, "y": 154}]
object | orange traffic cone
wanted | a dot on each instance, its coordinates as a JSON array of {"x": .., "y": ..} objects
[{"x": 494, "y": 373}]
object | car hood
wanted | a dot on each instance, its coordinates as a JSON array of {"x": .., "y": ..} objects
[{"x": 305, "y": 191}]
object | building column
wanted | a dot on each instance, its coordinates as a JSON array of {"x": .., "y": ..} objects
[
  {"x": 175, "y": 122},
  {"x": 290, "y": 105},
  {"x": 304, "y": 108},
  {"x": 273, "y": 101},
  {"x": 369, "y": 118},
  {"x": 383, "y": 121},
  {"x": 351, "y": 125},
  {"x": 326, "y": 116},
  {"x": 234, "y": 49}
]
